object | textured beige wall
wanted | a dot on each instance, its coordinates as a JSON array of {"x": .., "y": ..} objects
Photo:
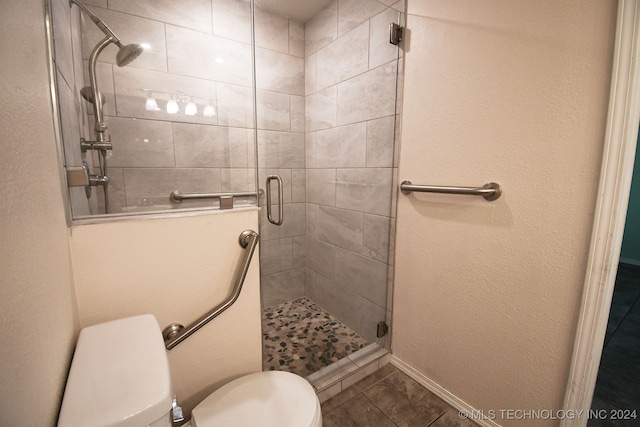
[
  {"x": 36, "y": 307},
  {"x": 177, "y": 269},
  {"x": 487, "y": 294}
]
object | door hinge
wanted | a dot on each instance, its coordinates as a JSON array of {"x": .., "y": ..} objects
[
  {"x": 382, "y": 329},
  {"x": 395, "y": 33}
]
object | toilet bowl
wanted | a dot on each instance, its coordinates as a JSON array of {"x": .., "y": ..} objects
[{"x": 120, "y": 377}]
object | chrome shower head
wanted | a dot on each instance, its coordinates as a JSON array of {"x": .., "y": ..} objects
[
  {"x": 125, "y": 54},
  {"x": 128, "y": 53}
]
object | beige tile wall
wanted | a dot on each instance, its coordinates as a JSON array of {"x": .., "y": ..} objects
[
  {"x": 202, "y": 51},
  {"x": 281, "y": 124},
  {"x": 350, "y": 87}
]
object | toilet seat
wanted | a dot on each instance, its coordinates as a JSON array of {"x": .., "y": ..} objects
[{"x": 266, "y": 399}]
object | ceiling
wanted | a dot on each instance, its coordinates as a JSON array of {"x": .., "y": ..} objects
[{"x": 298, "y": 10}]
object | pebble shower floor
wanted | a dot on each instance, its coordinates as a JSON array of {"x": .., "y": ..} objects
[{"x": 300, "y": 337}]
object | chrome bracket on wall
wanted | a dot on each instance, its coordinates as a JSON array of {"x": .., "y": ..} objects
[
  {"x": 395, "y": 33},
  {"x": 94, "y": 145}
]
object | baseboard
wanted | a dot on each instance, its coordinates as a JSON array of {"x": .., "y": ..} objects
[
  {"x": 441, "y": 392},
  {"x": 630, "y": 261}
]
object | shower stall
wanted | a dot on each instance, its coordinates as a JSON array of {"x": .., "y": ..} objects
[{"x": 286, "y": 105}]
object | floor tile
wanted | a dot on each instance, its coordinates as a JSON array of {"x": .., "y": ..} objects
[
  {"x": 602, "y": 416},
  {"x": 451, "y": 419},
  {"x": 357, "y": 412},
  {"x": 618, "y": 383},
  {"x": 405, "y": 401}
]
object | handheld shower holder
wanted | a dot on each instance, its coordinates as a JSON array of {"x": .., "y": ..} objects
[{"x": 94, "y": 145}]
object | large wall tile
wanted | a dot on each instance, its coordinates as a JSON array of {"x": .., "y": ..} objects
[
  {"x": 365, "y": 190},
  {"x": 299, "y": 251},
  {"x": 62, "y": 39},
  {"x": 279, "y": 72},
  {"x": 298, "y": 185},
  {"x": 117, "y": 196},
  {"x": 147, "y": 182},
  {"x": 195, "y": 54},
  {"x": 321, "y": 29},
  {"x": 380, "y": 142},
  {"x": 211, "y": 146},
  {"x": 131, "y": 98},
  {"x": 130, "y": 29},
  {"x": 321, "y": 257},
  {"x": 272, "y": 31},
  {"x": 275, "y": 256},
  {"x": 293, "y": 223},
  {"x": 141, "y": 143},
  {"x": 368, "y": 96},
  {"x": 274, "y": 110},
  {"x": 376, "y": 237},
  {"x": 69, "y": 115},
  {"x": 239, "y": 180},
  {"x": 235, "y": 105},
  {"x": 380, "y": 50},
  {"x": 321, "y": 186},
  {"x": 310, "y": 75},
  {"x": 281, "y": 287},
  {"x": 342, "y": 147},
  {"x": 232, "y": 20},
  {"x": 296, "y": 39},
  {"x": 337, "y": 300},
  {"x": 340, "y": 227},
  {"x": 354, "y": 12},
  {"x": 194, "y": 14},
  {"x": 280, "y": 149},
  {"x": 343, "y": 58},
  {"x": 297, "y": 113},
  {"x": 362, "y": 275},
  {"x": 310, "y": 218},
  {"x": 321, "y": 109}
]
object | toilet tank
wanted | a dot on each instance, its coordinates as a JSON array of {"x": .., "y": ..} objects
[{"x": 119, "y": 376}]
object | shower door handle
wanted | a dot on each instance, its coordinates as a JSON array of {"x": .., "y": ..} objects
[{"x": 280, "y": 206}]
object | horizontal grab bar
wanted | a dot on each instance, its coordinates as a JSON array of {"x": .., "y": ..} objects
[
  {"x": 490, "y": 191},
  {"x": 178, "y": 197},
  {"x": 175, "y": 333}
]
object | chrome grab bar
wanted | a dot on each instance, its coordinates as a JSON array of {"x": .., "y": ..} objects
[
  {"x": 490, "y": 191},
  {"x": 175, "y": 333},
  {"x": 178, "y": 197},
  {"x": 280, "y": 203}
]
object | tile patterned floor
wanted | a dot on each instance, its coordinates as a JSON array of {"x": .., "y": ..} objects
[
  {"x": 298, "y": 336},
  {"x": 618, "y": 385},
  {"x": 389, "y": 397}
]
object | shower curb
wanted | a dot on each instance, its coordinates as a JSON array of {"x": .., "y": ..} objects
[{"x": 331, "y": 380}]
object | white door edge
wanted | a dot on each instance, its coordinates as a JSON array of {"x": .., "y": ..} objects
[{"x": 609, "y": 217}]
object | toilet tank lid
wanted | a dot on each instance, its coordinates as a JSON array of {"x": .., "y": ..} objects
[{"x": 119, "y": 375}]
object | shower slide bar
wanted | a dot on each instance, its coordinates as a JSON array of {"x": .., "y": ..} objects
[
  {"x": 226, "y": 199},
  {"x": 490, "y": 191},
  {"x": 175, "y": 333}
]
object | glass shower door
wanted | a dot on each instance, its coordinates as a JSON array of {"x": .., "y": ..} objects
[{"x": 326, "y": 84}]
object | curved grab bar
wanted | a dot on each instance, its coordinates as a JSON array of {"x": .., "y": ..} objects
[{"x": 175, "y": 333}]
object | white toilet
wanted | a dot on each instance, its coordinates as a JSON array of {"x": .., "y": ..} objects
[{"x": 120, "y": 377}]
